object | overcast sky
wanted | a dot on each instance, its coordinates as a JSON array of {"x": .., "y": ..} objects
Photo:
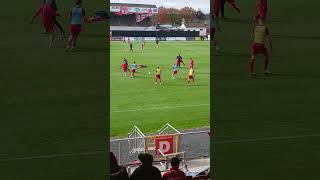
[{"x": 204, "y": 5}]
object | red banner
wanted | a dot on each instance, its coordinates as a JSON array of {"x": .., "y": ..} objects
[{"x": 164, "y": 144}]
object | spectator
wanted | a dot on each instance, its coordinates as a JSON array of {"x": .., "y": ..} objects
[
  {"x": 174, "y": 173},
  {"x": 146, "y": 171},
  {"x": 117, "y": 172}
]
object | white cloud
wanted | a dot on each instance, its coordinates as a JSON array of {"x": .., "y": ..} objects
[{"x": 204, "y": 5}]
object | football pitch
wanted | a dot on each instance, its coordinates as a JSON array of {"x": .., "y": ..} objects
[
  {"x": 139, "y": 102},
  {"x": 53, "y": 103},
  {"x": 268, "y": 127}
]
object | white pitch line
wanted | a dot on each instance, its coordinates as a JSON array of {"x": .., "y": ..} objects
[
  {"x": 265, "y": 139},
  {"x": 157, "y": 108},
  {"x": 52, "y": 156}
]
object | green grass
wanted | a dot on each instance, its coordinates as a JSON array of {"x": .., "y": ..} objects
[
  {"x": 141, "y": 93},
  {"x": 284, "y": 104},
  {"x": 52, "y": 102}
]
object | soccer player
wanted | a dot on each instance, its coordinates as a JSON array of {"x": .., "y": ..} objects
[
  {"x": 142, "y": 45},
  {"x": 261, "y": 13},
  {"x": 174, "y": 71},
  {"x": 191, "y": 63},
  {"x": 124, "y": 68},
  {"x": 125, "y": 61},
  {"x": 262, "y": 9},
  {"x": 55, "y": 8},
  {"x": 191, "y": 75},
  {"x": 158, "y": 75},
  {"x": 179, "y": 60},
  {"x": 133, "y": 69},
  {"x": 76, "y": 15},
  {"x": 130, "y": 47},
  {"x": 48, "y": 16},
  {"x": 261, "y": 36}
]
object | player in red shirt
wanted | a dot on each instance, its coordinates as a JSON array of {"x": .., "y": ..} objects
[
  {"x": 191, "y": 63},
  {"x": 262, "y": 10},
  {"x": 124, "y": 67},
  {"x": 48, "y": 16},
  {"x": 174, "y": 172}
]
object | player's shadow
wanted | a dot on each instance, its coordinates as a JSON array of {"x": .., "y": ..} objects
[{"x": 295, "y": 37}]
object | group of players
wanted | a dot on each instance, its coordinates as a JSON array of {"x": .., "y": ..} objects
[
  {"x": 179, "y": 60},
  {"x": 48, "y": 12},
  {"x": 260, "y": 33}
]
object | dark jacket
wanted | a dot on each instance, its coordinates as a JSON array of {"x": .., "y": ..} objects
[
  {"x": 146, "y": 173},
  {"x": 120, "y": 175}
]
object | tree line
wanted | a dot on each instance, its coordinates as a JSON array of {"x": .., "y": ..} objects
[{"x": 174, "y": 16}]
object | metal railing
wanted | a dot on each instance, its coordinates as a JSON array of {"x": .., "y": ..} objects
[{"x": 193, "y": 144}]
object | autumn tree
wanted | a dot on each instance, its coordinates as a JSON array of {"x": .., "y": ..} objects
[
  {"x": 174, "y": 16},
  {"x": 200, "y": 15},
  {"x": 162, "y": 15},
  {"x": 188, "y": 13}
]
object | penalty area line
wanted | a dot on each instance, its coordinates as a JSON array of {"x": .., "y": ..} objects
[{"x": 158, "y": 108}]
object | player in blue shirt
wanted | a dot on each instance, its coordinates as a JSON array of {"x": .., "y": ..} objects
[
  {"x": 76, "y": 16},
  {"x": 133, "y": 69},
  {"x": 174, "y": 71}
]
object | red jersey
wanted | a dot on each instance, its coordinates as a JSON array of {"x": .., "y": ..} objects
[
  {"x": 191, "y": 62},
  {"x": 262, "y": 9},
  {"x": 46, "y": 13},
  {"x": 174, "y": 174},
  {"x": 124, "y": 66}
]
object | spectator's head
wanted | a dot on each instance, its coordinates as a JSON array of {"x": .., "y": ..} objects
[
  {"x": 175, "y": 162},
  {"x": 146, "y": 159},
  {"x": 113, "y": 163},
  {"x": 134, "y": 62},
  {"x": 78, "y": 2},
  {"x": 48, "y": 1}
]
